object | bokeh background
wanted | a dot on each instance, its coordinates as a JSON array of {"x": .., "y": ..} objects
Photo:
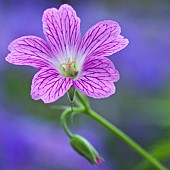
[{"x": 31, "y": 137}]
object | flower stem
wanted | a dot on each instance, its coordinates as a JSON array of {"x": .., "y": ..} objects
[
  {"x": 63, "y": 119},
  {"x": 64, "y": 124},
  {"x": 126, "y": 138},
  {"x": 84, "y": 107},
  {"x": 83, "y": 100}
]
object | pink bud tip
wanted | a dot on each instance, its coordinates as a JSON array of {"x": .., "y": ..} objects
[{"x": 98, "y": 161}]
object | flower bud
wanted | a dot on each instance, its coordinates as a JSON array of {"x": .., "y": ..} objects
[{"x": 84, "y": 148}]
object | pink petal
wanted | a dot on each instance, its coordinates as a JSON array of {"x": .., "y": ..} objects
[
  {"x": 29, "y": 50},
  {"x": 61, "y": 28},
  {"x": 49, "y": 85},
  {"x": 103, "y": 39},
  {"x": 97, "y": 77}
]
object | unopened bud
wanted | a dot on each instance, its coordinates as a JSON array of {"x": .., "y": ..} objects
[{"x": 84, "y": 148}]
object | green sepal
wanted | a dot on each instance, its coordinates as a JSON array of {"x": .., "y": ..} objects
[
  {"x": 71, "y": 93},
  {"x": 84, "y": 148}
]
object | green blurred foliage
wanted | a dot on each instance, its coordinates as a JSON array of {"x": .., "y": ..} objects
[{"x": 17, "y": 86}]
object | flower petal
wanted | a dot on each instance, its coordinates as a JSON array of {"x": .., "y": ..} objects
[
  {"x": 62, "y": 29},
  {"x": 97, "y": 77},
  {"x": 29, "y": 50},
  {"x": 49, "y": 85},
  {"x": 103, "y": 39}
]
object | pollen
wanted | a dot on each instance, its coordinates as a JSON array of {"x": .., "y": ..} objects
[{"x": 69, "y": 68}]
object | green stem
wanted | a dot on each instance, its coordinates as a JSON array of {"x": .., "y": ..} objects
[
  {"x": 64, "y": 123},
  {"x": 126, "y": 138},
  {"x": 83, "y": 100},
  {"x": 63, "y": 119}
]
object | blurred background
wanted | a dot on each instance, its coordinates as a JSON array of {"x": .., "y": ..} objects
[{"x": 31, "y": 137}]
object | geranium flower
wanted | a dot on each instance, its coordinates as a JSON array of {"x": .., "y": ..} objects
[{"x": 66, "y": 60}]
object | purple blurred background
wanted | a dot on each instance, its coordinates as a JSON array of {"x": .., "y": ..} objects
[{"x": 31, "y": 136}]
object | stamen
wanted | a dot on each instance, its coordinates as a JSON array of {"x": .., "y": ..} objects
[{"x": 69, "y": 68}]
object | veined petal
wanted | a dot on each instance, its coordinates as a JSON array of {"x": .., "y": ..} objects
[
  {"x": 49, "y": 85},
  {"x": 62, "y": 30},
  {"x": 29, "y": 50},
  {"x": 97, "y": 77},
  {"x": 103, "y": 39}
]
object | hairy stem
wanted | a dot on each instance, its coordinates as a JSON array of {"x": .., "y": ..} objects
[
  {"x": 84, "y": 107},
  {"x": 63, "y": 118},
  {"x": 126, "y": 139},
  {"x": 64, "y": 123}
]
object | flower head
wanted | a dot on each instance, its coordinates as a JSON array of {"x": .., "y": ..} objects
[{"x": 66, "y": 60}]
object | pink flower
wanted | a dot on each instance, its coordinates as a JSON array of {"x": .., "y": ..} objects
[{"x": 66, "y": 60}]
